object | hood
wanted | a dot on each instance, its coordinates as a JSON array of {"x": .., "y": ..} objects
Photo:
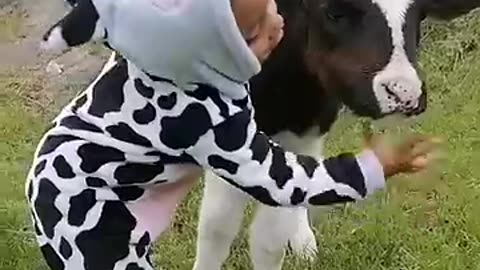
[{"x": 188, "y": 41}]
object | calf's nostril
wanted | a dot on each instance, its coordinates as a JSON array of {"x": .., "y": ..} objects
[
  {"x": 422, "y": 105},
  {"x": 391, "y": 94}
]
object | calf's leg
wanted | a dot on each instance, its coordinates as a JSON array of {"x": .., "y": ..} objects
[
  {"x": 273, "y": 228},
  {"x": 221, "y": 214}
]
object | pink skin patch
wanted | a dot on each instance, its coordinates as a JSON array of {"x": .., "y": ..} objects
[{"x": 156, "y": 210}]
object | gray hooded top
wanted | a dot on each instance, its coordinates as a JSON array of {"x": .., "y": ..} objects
[
  {"x": 188, "y": 40},
  {"x": 189, "y": 56},
  {"x": 185, "y": 40}
]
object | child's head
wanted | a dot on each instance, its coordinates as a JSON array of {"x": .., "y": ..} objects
[{"x": 186, "y": 40}]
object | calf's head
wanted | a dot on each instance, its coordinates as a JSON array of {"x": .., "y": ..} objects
[{"x": 366, "y": 50}]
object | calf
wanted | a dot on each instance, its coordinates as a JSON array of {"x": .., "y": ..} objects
[{"x": 358, "y": 53}]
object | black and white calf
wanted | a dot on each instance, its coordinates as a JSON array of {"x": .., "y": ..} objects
[
  {"x": 361, "y": 53},
  {"x": 108, "y": 174},
  {"x": 358, "y": 53}
]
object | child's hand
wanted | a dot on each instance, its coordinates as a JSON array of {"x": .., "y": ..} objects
[
  {"x": 268, "y": 33},
  {"x": 411, "y": 156}
]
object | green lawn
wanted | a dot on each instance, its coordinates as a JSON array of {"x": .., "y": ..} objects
[
  {"x": 425, "y": 222},
  {"x": 20, "y": 128}
]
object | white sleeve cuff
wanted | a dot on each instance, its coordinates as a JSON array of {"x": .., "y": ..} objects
[{"x": 372, "y": 171}]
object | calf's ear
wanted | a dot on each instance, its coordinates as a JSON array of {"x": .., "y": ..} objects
[
  {"x": 79, "y": 26},
  {"x": 449, "y": 9}
]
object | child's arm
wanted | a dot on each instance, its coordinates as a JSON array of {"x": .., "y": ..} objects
[
  {"x": 254, "y": 164},
  {"x": 247, "y": 159}
]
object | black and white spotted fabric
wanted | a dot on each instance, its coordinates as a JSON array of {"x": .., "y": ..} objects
[{"x": 100, "y": 185}]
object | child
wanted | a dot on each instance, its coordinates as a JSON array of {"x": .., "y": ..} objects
[{"x": 108, "y": 175}]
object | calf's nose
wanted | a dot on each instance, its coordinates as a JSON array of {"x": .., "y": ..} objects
[
  {"x": 422, "y": 105},
  {"x": 402, "y": 90}
]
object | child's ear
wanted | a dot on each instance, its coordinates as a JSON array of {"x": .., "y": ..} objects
[
  {"x": 449, "y": 9},
  {"x": 78, "y": 27}
]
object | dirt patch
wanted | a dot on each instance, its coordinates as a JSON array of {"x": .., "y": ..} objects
[
  {"x": 5, "y": 3},
  {"x": 11, "y": 20},
  {"x": 22, "y": 24}
]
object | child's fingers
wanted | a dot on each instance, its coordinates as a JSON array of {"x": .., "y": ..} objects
[
  {"x": 422, "y": 148},
  {"x": 424, "y": 161},
  {"x": 272, "y": 7},
  {"x": 275, "y": 30},
  {"x": 271, "y": 33},
  {"x": 278, "y": 22},
  {"x": 413, "y": 141},
  {"x": 263, "y": 46},
  {"x": 420, "y": 163},
  {"x": 275, "y": 39},
  {"x": 436, "y": 140},
  {"x": 425, "y": 147}
]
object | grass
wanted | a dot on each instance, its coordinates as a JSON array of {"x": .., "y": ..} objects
[
  {"x": 425, "y": 222},
  {"x": 20, "y": 127}
]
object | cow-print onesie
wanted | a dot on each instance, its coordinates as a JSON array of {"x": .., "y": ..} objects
[{"x": 108, "y": 174}]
